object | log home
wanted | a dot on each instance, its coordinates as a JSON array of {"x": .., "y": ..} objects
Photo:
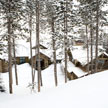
[
  {"x": 22, "y": 53},
  {"x": 45, "y": 57},
  {"x": 45, "y": 61},
  {"x": 80, "y": 59},
  {"x": 73, "y": 72}
]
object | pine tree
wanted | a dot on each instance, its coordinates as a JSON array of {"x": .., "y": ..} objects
[
  {"x": 67, "y": 20},
  {"x": 38, "y": 42},
  {"x": 30, "y": 8},
  {"x": 14, "y": 54},
  {"x": 10, "y": 47},
  {"x": 51, "y": 14},
  {"x": 12, "y": 13},
  {"x": 95, "y": 19}
]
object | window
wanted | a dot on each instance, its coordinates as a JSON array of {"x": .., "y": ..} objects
[{"x": 22, "y": 60}]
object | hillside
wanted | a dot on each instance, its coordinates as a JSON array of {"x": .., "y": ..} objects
[{"x": 87, "y": 92}]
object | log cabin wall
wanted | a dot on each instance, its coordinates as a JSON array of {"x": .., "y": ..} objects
[
  {"x": 18, "y": 60},
  {"x": 45, "y": 61},
  {"x": 1, "y": 66},
  {"x": 71, "y": 76},
  {"x": 5, "y": 66}
]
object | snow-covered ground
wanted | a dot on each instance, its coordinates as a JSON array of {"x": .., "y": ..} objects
[
  {"x": 48, "y": 76},
  {"x": 87, "y": 92},
  {"x": 24, "y": 78}
]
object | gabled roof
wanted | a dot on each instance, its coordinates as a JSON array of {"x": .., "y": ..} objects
[
  {"x": 104, "y": 53},
  {"x": 45, "y": 52},
  {"x": 22, "y": 49},
  {"x": 72, "y": 68},
  {"x": 43, "y": 55},
  {"x": 41, "y": 47},
  {"x": 80, "y": 54}
]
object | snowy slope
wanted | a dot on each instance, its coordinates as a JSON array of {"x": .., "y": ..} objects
[
  {"x": 48, "y": 76},
  {"x": 24, "y": 78},
  {"x": 87, "y": 92}
]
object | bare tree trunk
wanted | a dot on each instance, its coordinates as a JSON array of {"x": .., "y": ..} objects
[
  {"x": 10, "y": 50},
  {"x": 30, "y": 31},
  {"x": 14, "y": 52},
  {"x": 91, "y": 34},
  {"x": 87, "y": 49},
  {"x": 65, "y": 41},
  {"x": 54, "y": 54},
  {"x": 97, "y": 33},
  {"x": 38, "y": 44}
]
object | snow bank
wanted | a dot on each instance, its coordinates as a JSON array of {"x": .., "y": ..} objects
[
  {"x": 25, "y": 76},
  {"x": 87, "y": 92}
]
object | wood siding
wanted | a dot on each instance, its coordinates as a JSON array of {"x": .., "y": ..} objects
[
  {"x": 46, "y": 61},
  {"x": 3, "y": 66},
  {"x": 71, "y": 76},
  {"x": 18, "y": 60}
]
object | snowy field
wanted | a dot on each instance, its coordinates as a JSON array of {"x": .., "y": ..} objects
[
  {"x": 87, "y": 92},
  {"x": 24, "y": 79}
]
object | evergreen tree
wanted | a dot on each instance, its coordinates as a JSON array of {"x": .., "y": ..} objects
[
  {"x": 30, "y": 10},
  {"x": 12, "y": 12},
  {"x": 51, "y": 13},
  {"x": 94, "y": 17},
  {"x": 67, "y": 20}
]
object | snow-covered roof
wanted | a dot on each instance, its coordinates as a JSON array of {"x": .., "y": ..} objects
[
  {"x": 80, "y": 54},
  {"x": 41, "y": 46},
  {"x": 76, "y": 70},
  {"x": 60, "y": 54},
  {"x": 105, "y": 53},
  {"x": 4, "y": 56},
  {"x": 44, "y": 39},
  {"x": 71, "y": 68},
  {"x": 46, "y": 52},
  {"x": 22, "y": 49}
]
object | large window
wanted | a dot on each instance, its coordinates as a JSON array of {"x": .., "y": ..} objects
[{"x": 22, "y": 60}]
